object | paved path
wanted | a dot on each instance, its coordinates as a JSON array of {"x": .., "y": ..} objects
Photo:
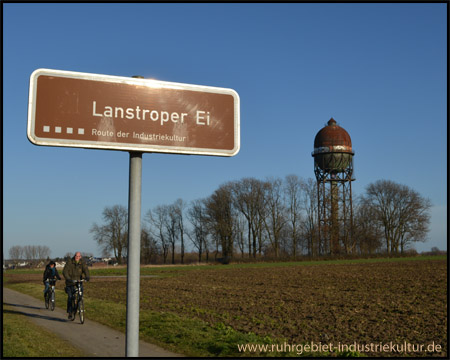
[{"x": 92, "y": 338}]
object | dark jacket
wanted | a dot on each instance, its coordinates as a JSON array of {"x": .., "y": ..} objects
[
  {"x": 48, "y": 273},
  {"x": 74, "y": 271}
]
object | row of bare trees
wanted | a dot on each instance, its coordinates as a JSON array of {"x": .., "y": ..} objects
[
  {"x": 167, "y": 227},
  {"x": 274, "y": 218},
  {"x": 30, "y": 253}
]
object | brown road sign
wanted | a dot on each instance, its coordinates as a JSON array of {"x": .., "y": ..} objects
[{"x": 119, "y": 113}]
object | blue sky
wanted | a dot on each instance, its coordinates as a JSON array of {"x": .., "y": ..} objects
[{"x": 379, "y": 69}]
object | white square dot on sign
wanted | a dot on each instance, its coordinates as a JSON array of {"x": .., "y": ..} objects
[
  {"x": 58, "y": 129},
  {"x": 46, "y": 128},
  {"x": 80, "y": 131},
  {"x": 69, "y": 130}
]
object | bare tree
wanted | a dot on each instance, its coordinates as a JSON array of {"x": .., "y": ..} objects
[
  {"x": 219, "y": 209},
  {"x": 43, "y": 252},
  {"x": 197, "y": 217},
  {"x": 149, "y": 247},
  {"x": 238, "y": 231},
  {"x": 415, "y": 220},
  {"x": 309, "y": 223},
  {"x": 29, "y": 253},
  {"x": 170, "y": 223},
  {"x": 157, "y": 218},
  {"x": 113, "y": 235},
  {"x": 178, "y": 209},
  {"x": 366, "y": 228},
  {"x": 16, "y": 253},
  {"x": 292, "y": 191},
  {"x": 248, "y": 199},
  {"x": 402, "y": 213},
  {"x": 275, "y": 213}
]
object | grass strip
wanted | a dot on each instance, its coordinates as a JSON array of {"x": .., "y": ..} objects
[
  {"x": 187, "y": 336},
  {"x": 172, "y": 270},
  {"x": 23, "y": 338}
]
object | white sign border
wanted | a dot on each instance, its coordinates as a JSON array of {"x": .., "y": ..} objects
[{"x": 128, "y": 147}]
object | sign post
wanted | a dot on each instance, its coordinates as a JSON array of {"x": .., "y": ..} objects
[
  {"x": 134, "y": 253},
  {"x": 93, "y": 111},
  {"x": 133, "y": 257}
]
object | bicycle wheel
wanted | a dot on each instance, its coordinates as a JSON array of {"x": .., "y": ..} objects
[
  {"x": 81, "y": 310},
  {"x": 46, "y": 300},
  {"x": 52, "y": 301}
]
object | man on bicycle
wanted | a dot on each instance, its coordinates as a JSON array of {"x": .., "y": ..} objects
[
  {"x": 73, "y": 270},
  {"x": 50, "y": 273}
]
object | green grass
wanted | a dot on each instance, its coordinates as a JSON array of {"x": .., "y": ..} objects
[
  {"x": 23, "y": 338},
  {"x": 334, "y": 262},
  {"x": 173, "y": 270}
]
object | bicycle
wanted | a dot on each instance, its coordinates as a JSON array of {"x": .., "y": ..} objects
[
  {"x": 77, "y": 301},
  {"x": 50, "y": 294}
]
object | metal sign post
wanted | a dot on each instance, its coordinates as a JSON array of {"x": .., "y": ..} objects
[
  {"x": 134, "y": 253},
  {"x": 133, "y": 258}
]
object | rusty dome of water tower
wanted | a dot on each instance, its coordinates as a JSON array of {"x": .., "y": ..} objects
[{"x": 332, "y": 138}]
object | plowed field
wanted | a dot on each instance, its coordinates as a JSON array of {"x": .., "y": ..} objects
[{"x": 366, "y": 303}]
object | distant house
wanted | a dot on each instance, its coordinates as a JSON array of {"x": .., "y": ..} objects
[{"x": 60, "y": 264}]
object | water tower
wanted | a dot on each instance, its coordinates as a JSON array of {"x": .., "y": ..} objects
[{"x": 333, "y": 167}]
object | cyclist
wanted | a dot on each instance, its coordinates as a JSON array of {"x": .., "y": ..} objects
[
  {"x": 50, "y": 273},
  {"x": 73, "y": 270}
]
